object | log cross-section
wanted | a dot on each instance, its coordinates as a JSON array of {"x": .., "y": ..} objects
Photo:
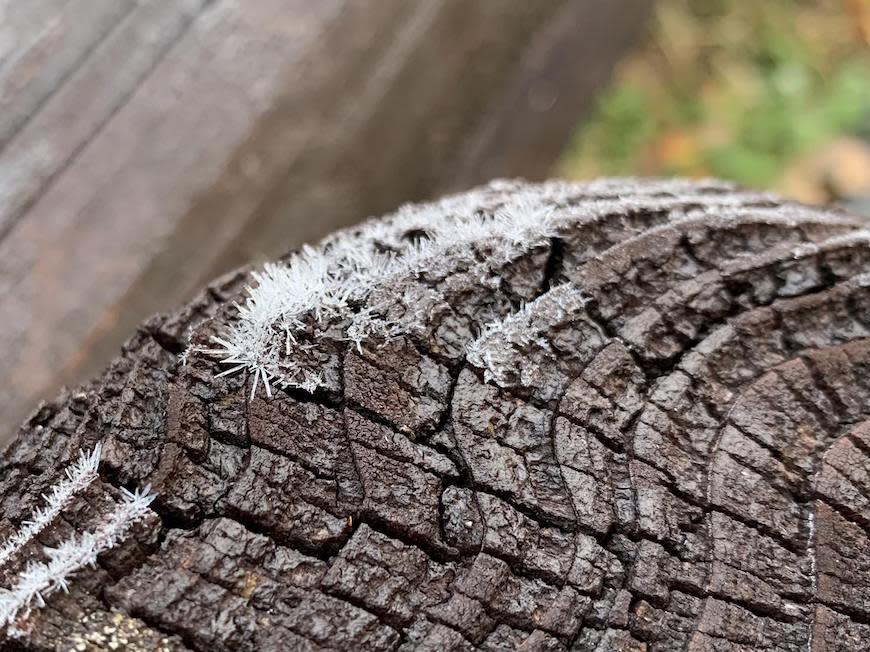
[
  {"x": 147, "y": 146},
  {"x": 647, "y": 429}
]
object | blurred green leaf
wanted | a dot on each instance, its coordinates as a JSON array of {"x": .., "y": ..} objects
[{"x": 730, "y": 88}]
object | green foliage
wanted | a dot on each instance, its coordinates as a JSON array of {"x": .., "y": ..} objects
[
  {"x": 626, "y": 126},
  {"x": 731, "y": 89}
]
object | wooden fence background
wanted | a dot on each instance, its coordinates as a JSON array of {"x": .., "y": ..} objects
[{"x": 146, "y": 146}]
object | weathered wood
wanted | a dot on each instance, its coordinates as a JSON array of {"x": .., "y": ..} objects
[
  {"x": 56, "y": 133},
  {"x": 146, "y": 147},
  {"x": 676, "y": 462},
  {"x": 43, "y": 43}
]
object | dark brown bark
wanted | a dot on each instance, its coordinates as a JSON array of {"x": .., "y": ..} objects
[{"x": 689, "y": 472}]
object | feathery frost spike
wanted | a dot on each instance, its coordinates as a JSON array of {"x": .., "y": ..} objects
[
  {"x": 500, "y": 349},
  {"x": 41, "y": 579},
  {"x": 78, "y": 477},
  {"x": 336, "y": 280}
]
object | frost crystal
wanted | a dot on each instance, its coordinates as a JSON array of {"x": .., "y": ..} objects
[
  {"x": 294, "y": 302},
  {"x": 78, "y": 477},
  {"x": 39, "y": 579},
  {"x": 502, "y": 341}
]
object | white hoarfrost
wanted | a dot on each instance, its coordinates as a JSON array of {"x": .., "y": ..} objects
[
  {"x": 495, "y": 349},
  {"x": 502, "y": 349},
  {"x": 332, "y": 285},
  {"x": 78, "y": 477},
  {"x": 39, "y": 579},
  {"x": 333, "y": 282}
]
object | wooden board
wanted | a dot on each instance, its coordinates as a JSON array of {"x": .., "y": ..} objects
[{"x": 158, "y": 143}]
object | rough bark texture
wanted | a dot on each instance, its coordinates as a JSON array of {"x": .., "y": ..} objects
[{"x": 688, "y": 471}]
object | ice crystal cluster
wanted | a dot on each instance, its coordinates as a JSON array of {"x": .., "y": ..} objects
[
  {"x": 332, "y": 290},
  {"x": 39, "y": 579},
  {"x": 495, "y": 349},
  {"x": 78, "y": 477}
]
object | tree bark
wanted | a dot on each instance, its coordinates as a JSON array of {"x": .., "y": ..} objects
[{"x": 678, "y": 461}]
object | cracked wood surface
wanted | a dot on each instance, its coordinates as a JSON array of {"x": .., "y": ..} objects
[{"x": 678, "y": 462}]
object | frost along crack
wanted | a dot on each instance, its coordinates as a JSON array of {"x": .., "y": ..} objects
[{"x": 331, "y": 291}]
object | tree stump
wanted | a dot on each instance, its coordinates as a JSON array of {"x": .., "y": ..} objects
[{"x": 646, "y": 429}]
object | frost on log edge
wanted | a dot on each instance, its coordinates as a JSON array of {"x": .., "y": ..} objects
[{"x": 635, "y": 420}]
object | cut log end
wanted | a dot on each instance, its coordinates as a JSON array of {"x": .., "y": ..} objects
[{"x": 640, "y": 423}]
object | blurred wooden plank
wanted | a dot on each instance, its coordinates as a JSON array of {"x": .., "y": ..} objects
[
  {"x": 265, "y": 124},
  {"x": 568, "y": 61},
  {"x": 20, "y": 24},
  {"x": 46, "y": 42},
  {"x": 56, "y": 134},
  {"x": 68, "y": 261}
]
